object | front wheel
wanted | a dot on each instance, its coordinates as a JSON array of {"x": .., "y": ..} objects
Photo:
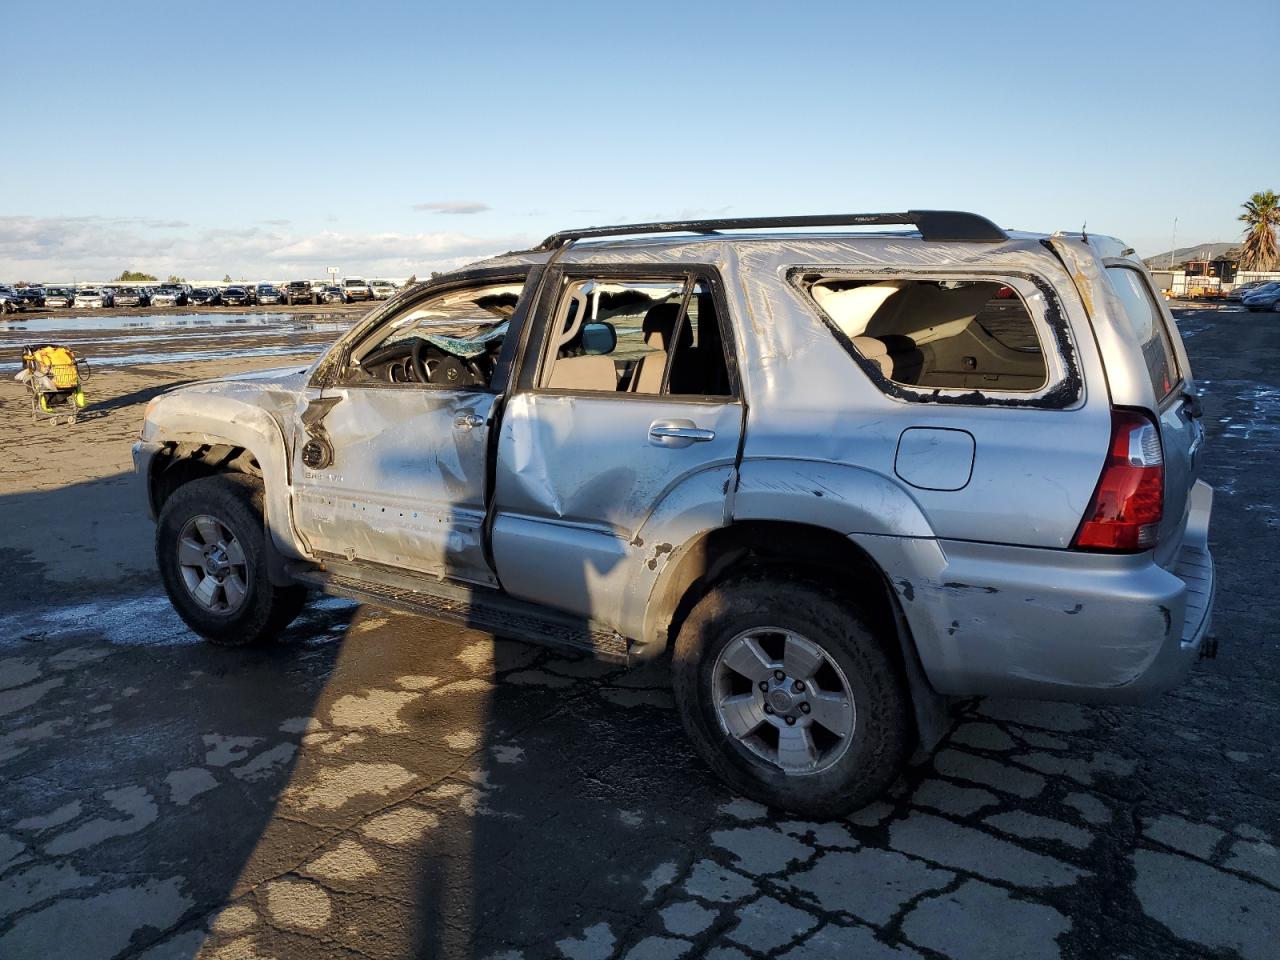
[
  {"x": 211, "y": 550},
  {"x": 790, "y": 697}
]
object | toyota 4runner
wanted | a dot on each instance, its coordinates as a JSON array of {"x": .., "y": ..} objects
[{"x": 840, "y": 476}]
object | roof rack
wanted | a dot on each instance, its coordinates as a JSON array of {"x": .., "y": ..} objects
[{"x": 936, "y": 225}]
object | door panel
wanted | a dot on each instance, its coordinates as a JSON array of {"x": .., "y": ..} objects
[
  {"x": 585, "y": 471},
  {"x": 406, "y": 486}
]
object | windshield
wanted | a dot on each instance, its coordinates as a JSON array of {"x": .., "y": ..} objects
[{"x": 460, "y": 322}]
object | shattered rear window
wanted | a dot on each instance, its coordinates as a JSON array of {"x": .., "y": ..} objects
[{"x": 945, "y": 334}]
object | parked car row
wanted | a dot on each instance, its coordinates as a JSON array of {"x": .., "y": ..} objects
[
  {"x": 351, "y": 290},
  {"x": 1260, "y": 296}
]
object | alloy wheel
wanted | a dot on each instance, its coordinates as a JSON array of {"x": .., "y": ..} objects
[
  {"x": 784, "y": 698},
  {"x": 212, "y": 563}
]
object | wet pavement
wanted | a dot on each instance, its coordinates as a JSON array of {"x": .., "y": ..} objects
[
  {"x": 377, "y": 785},
  {"x": 136, "y": 338}
]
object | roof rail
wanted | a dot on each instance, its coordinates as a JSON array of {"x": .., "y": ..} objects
[{"x": 937, "y": 225}]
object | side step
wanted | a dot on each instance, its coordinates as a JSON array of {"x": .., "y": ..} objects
[{"x": 479, "y": 608}]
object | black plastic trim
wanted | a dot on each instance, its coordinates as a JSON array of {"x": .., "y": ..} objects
[{"x": 943, "y": 226}]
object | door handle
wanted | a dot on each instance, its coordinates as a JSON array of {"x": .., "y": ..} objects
[
  {"x": 468, "y": 421},
  {"x": 678, "y": 433}
]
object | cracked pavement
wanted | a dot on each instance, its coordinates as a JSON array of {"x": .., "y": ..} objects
[{"x": 377, "y": 785}]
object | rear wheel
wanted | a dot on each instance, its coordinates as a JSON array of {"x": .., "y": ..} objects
[
  {"x": 789, "y": 697},
  {"x": 211, "y": 550}
]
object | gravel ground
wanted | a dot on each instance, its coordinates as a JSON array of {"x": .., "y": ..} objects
[{"x": 381, "y": 786}]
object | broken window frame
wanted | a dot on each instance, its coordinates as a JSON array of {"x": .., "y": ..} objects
[
  {"x": 553, "y": 305},
  {"x": 334, "y": 369},
  {"x": 1064, "y": 384}
]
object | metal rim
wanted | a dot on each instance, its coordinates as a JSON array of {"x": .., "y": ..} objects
[
  {"x": 785, "y": 699},
  {"x": 212, "y": 564}
]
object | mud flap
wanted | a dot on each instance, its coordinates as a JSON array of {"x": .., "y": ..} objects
[{"x": 930, "y": 708}]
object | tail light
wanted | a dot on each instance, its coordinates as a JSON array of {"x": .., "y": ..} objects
[{"x": 1124, "y": 515}]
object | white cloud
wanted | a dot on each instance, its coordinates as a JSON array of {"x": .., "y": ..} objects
[
  {"x": 61, "y": 248},
  {"x": 452, "y": 207}
]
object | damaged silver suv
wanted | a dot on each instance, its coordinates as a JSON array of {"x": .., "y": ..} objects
[{"x": 841, "y": 475}]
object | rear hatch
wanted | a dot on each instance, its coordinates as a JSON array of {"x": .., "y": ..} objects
[{"x": 1146, "y": 364}]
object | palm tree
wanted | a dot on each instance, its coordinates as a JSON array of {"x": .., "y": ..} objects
[{"x": 1262, "y": 214}]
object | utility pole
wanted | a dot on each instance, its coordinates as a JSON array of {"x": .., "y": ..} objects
[{"x": 1173, "y": 244}]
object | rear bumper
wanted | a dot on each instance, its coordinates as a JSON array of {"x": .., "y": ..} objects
[{"x": 995, "y": 620}]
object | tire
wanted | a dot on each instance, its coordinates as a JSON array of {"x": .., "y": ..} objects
[
  {"x": 244, "y": 608},
  {"x": 847, "y": 771}
]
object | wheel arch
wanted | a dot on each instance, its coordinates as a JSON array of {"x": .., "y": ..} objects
[
  {"x": 205, "y": 432},
  {"x": 178, "y": 463},
  {"x": 792, "y": 549}
]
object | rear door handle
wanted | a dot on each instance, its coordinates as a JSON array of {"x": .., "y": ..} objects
[
  {"x": 468, "y": 421},
  {"x": 678, "y": 433}
]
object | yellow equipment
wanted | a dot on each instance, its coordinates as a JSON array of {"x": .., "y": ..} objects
[{"x": 54, "y": 376}]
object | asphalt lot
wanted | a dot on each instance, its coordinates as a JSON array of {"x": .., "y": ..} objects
[{"x": 381, "y": 786}]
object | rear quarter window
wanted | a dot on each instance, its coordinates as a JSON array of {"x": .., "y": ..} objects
[
  {"x": 1142, "y": 315},
  {"x": 972, "y": 337}
]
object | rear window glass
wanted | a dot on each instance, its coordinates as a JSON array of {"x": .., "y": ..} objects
[
  {"x": 941, "y": 334},
  {"x": 1142, "y": 314}
]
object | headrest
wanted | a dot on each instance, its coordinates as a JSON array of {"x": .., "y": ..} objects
[{"x": 660, "y": 323}]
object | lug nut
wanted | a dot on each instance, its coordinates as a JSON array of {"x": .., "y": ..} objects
[
  {"x": 764, "y": 685},
  {"x": 779, "y": 675},
  {"x": 768, "y": 709},
  {"x": 791, "y": 721},
  {"x": 798, "y": 686},
  {"x": 804, "y": 708}
]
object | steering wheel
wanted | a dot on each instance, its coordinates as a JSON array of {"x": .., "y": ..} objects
[{"x": 418, "y": 358}]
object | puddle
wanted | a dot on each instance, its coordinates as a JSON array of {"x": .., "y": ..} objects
[
  {"x": 174, "y": 338},
  {"x": 166, "y": 320},
  {"x": 188, "y": 356}
]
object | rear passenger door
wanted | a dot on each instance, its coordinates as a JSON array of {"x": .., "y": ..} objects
[{"x": 629, "y": 393}]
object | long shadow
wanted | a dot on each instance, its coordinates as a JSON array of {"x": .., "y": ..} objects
[
  {"x": 556, "y": 781},
  {"x": 138, "y": 764},
  {"x": 141, "y": 395}
]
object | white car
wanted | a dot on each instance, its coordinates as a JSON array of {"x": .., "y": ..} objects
[
  {"x": 94, "y": 299},
  {"x": 59, "y": 297},
  {"x": 355, "y": 288},
  {"x": 382, "y": 289},
  {"x": 166, "y": 297}
]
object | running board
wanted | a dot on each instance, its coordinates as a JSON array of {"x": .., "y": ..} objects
[{"x": 479, "y": 608}]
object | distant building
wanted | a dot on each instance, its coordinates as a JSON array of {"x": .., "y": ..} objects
[{"x": 1223, "y": 267}]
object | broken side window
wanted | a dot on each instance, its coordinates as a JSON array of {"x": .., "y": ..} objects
[
  {"x": 641, "y": 336},
  {"x": 938, "y": 333}
]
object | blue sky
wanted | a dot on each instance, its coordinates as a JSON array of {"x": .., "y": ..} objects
[{"x": 274, "y": 137}]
